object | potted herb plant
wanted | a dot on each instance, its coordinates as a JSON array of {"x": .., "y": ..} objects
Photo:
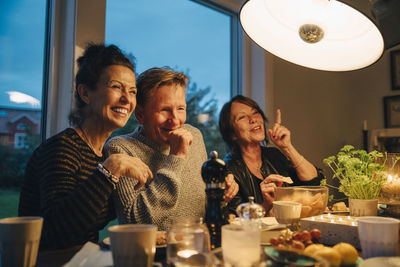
[{"x": 361, "y": 176}]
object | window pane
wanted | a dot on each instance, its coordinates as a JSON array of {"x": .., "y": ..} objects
[
  {"x": 21, "y": 63},
  {"x": 186, "y": 36}
]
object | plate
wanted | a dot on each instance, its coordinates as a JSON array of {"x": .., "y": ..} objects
[
  {"x": 161, "y": 250},
  {"x": 267, "y": 223},
  {"x": 381, "y": 261},
  {"x": 337, "y": 211},
  {"x": 106, "y": 243},
  {"x": 287, "y": 257}
]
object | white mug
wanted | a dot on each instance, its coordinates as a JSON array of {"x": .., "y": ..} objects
[{"x": 287, "y": 212}]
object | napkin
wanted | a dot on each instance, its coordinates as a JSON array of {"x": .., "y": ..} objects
[{"x": 92, "y": 255}]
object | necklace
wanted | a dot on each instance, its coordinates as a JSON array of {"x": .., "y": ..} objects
[
  {"x": 87, "y": 140},
  {"x": 256, "y": 166},
  {"x": 252, "y": 165}
]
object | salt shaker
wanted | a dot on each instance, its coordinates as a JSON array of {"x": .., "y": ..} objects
[{"x": 250, "y": 212}]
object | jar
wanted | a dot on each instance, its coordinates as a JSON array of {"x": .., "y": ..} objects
[{"x": 187, "y": 242}]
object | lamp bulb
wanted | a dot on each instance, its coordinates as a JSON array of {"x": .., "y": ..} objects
[{"x": 311, "y": 33}]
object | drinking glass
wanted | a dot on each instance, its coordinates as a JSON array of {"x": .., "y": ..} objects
[
  {"x": 19, "y": 241},
  {"x": 187, "y": 243},
  {"x": 241, "y": 245},
  {"x": 133, "y": 244},
  {"x": 379, "y": 236}
]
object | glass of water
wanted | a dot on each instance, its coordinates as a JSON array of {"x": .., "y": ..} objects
[
  {"x": 241, "y": 245},
  {"x": 187, "y": 243}
]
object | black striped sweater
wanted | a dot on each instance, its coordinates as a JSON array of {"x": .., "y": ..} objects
[{"x": 63, "y": 186}]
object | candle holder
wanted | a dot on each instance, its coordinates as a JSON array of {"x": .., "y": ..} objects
[
  {"x": 390, "y": 193},
  {"x": 334, "y": 228}
]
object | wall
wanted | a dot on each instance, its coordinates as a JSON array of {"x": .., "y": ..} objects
[{"x": 325, "y": 110}]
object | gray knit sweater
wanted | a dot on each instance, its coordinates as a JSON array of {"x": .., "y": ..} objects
[{"x": 177, "y": 189}]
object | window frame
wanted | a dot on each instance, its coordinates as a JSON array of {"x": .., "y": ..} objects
[
  {"x": 72, "y": 24},
  {"x": 235, "y": 44}
]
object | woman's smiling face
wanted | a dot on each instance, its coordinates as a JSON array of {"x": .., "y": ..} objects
[
  {"x": 248, "y": 124},
  {"x": 114, "y": 99}
]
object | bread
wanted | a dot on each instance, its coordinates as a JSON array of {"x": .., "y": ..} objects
[
  {"x": 339, "y": 206},
  {"x": 287, "y": 180}
]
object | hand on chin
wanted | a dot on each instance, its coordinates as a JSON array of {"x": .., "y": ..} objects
[{"x": 180, "y": 141}]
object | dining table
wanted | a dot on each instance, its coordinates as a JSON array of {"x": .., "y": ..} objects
[
  {"x": 98, "y": 255},
  {"x": 88, "y": 255}
]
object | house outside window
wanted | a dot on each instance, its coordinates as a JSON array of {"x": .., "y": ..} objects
[
  {"x": 22, "y": 35},
  {"x": 21, "y": 126},
  {"x": 20, "y": 140}
]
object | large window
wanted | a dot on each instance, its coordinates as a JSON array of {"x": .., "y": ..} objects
[
  {"x": 21, "y": 63},
  {"x": 185, "y": 36}
]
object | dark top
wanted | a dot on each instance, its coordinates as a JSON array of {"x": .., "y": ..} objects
[
  {"x": 274, "y": 162},
  {"x": 63, "y": 185}
]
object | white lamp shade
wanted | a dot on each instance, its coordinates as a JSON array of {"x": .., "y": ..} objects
[{"x": 350, "y": 41}]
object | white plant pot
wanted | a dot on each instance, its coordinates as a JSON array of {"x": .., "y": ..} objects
[{"x": 363, "y": 207}]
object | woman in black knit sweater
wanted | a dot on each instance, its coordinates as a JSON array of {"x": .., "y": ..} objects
[{"x": 68, "y": 181}]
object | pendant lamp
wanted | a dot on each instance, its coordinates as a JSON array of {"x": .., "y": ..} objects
[{"x": 326, "y": 35}]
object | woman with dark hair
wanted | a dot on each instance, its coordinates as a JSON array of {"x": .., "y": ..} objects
[
  {"x": 259, "y": 169},
  {"x": 68, "y": 181}
]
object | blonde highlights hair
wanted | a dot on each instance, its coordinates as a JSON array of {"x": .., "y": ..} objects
[{"x": 152, "y": 79}]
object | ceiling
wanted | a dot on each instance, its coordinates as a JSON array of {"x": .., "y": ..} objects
[{"x": 231, "y": 4}]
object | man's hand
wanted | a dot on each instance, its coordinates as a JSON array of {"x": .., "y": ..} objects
[{"x": 179, "y": 142}]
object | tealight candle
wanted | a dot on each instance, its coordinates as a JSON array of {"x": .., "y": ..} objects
[{"x": 187, "y": 253}]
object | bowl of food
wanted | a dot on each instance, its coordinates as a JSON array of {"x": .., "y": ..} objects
[{"x": 313, "y": 199}]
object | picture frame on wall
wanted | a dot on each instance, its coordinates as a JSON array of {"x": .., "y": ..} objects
[
  {"x": 391, "y": 105},
  {"x": 395, "y": 69}
]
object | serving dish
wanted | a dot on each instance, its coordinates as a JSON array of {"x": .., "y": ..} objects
[
  {"x": 288, "y": 257},
  {"x": 314, "y": 199},
  {"x": 273, "y": 258}
]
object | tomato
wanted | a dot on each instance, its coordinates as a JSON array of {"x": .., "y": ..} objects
[
  {"x": 297, "y": 236},
  {"x": 315, "y": 234},
  {"x": 305, "y": 236}
]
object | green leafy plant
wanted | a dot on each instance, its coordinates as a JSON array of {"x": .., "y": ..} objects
[{"x": 360, "y": 174}]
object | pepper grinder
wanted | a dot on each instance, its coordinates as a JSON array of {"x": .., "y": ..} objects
[{"x": 214, "y": 172}]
